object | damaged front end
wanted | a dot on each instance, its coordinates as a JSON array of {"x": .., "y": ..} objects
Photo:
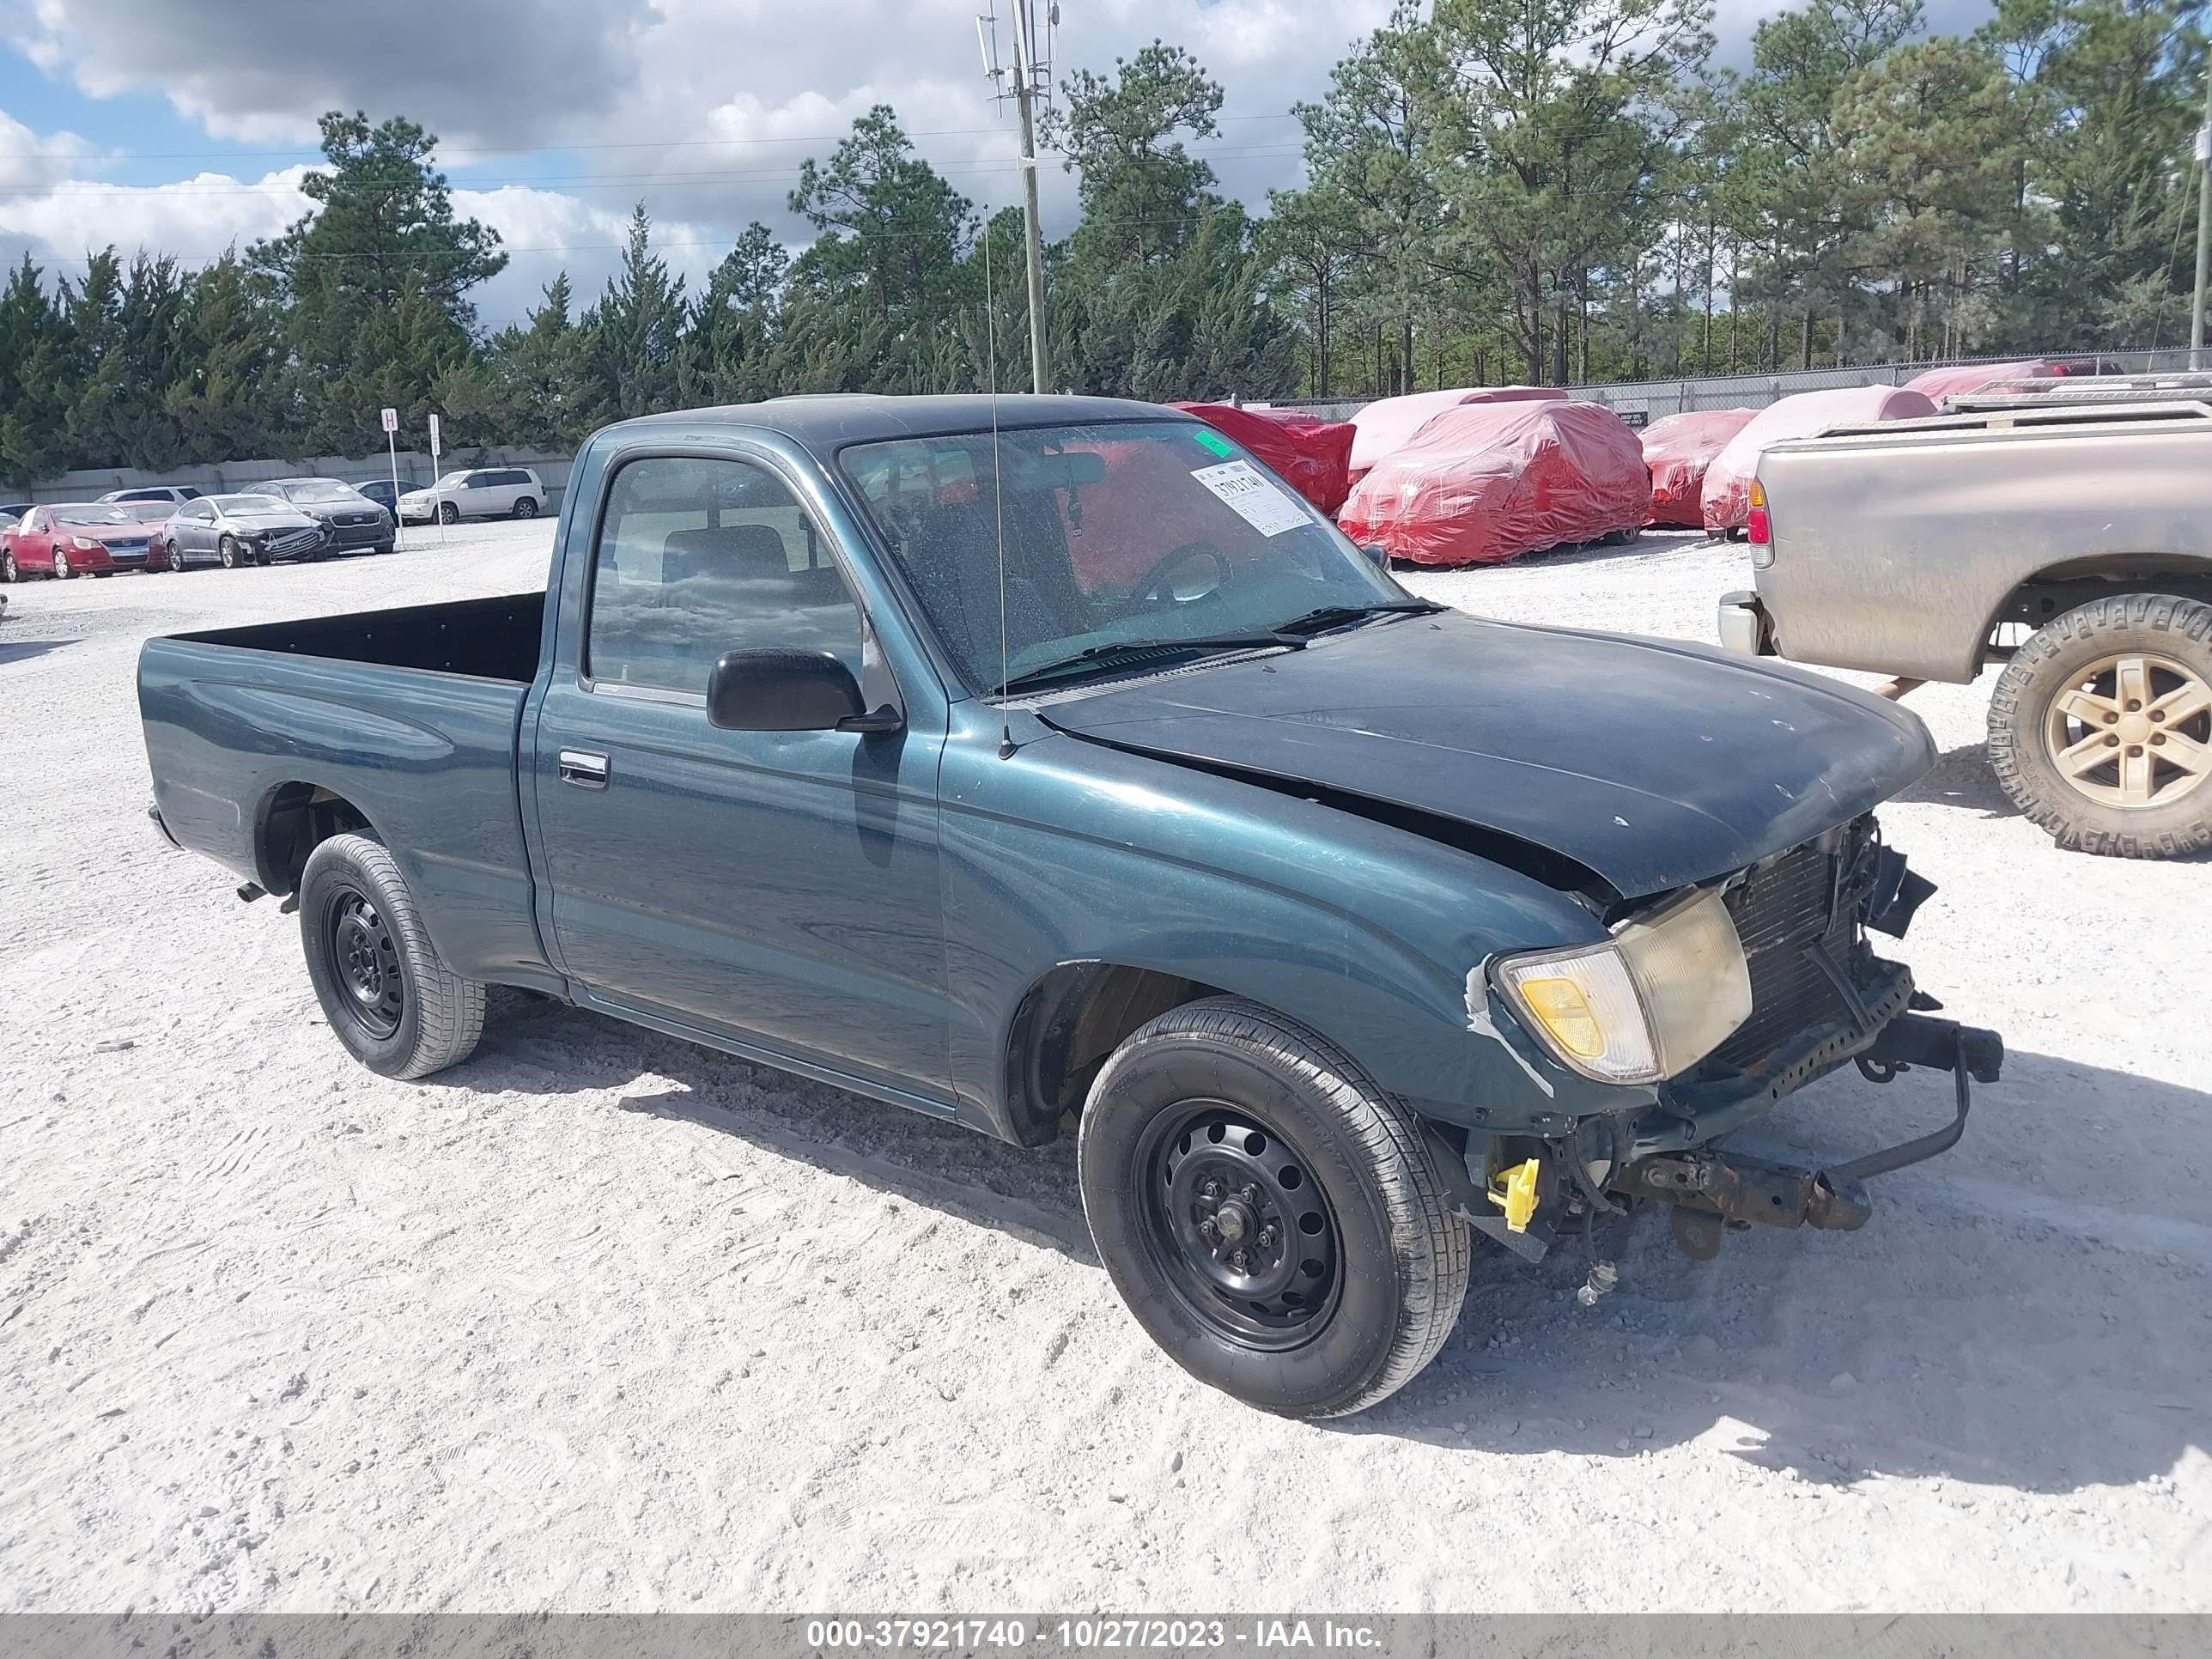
[{"x": 1819, "y": 997}]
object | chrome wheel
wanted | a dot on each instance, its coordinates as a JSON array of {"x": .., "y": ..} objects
[{"x": 2132, "y": 731}]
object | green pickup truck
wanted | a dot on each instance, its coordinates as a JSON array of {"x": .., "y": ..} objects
[{"x": 1046, "y": 762}]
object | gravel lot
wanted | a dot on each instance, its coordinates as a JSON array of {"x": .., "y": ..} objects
[{"x": 598, "y": 1320}]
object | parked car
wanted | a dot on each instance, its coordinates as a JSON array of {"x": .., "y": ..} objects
[
  {"x": 1341, "y": 923},
  {"x": 1724, "y": 499},
  {"x": 236, "y": 530},
  {"x": 380, "y": 491},
  {"x": 1908, "y": 550},
  {"x": 74, "y": 539},
  {"x": 8, "y": 515},
  {"x": 354, "y": 521},
  {"x": 1481, "y": 483},
  {"x": 483, "y": 492},
  {"x": 175, "y": 494}
]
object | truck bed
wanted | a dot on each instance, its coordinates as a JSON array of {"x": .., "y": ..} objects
[{"x": 400, "y": 722}]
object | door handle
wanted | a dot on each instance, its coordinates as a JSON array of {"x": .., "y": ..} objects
[{"x": 584, "y": 771}]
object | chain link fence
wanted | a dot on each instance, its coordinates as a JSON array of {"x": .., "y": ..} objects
[{"x": 1641, "y": 401}]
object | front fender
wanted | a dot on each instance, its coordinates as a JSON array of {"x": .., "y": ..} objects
[{"x": 1071, "y": 852}]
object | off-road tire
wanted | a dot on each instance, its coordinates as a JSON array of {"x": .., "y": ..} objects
[
  {"x": 2050, "y": 662},
  {"x": 1402, "y": 1260},
  {"x": 442, "y": 1015}
]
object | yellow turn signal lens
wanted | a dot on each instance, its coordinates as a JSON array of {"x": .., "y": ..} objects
[{"x": 1558, "y": 1005}]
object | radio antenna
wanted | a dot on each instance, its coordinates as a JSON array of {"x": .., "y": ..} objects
[{"x": 1007, "y": 745}]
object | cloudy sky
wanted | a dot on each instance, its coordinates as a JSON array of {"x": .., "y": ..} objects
[{"x": 184, "y": 125}]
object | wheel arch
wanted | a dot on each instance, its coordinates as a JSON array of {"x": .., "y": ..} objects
[
  {"x": 295, "y": 818},
  {"x": 1072, "y": 1017},
  {"x": 2050, "y": 591}
]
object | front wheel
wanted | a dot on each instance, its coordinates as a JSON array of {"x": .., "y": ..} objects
[
  {"x": 384, "y": 547},
  {"x": 2100, "y": 727},
  {"x": 1274, "y": 1220},
  {"x": 8, "y": 571},
  {"x": 226, "y": 550},
  {"x": 62, "y": 571},
  {"x": 398, "y": 1009},
  {"x": 448, "y": 514}
]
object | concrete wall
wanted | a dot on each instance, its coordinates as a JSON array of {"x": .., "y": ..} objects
[{"x": 229, "y": 477}]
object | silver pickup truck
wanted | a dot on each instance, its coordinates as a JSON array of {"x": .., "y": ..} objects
[{"x": 2070, "y": 541}]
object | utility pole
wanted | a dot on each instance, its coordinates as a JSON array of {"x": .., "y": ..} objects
[
  {"x": 2203, "y": 226},
  {"x": 1031, "y": 75}
]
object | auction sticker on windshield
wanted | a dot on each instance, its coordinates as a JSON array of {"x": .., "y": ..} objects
[{"x": 1252, "y": 498}]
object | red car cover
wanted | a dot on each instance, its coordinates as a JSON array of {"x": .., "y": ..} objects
[
  {"x": 1937, "y": 384},
  {"x": 1726, "y": 499},
  {"x": 1485, "y": 482},
  {"x": 1677, "y": 451},
  {"x": 1389, "y": 424},
  {"x": 1310, "y": 456}
]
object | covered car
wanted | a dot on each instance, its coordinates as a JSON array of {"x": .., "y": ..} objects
[
  {"x": 1485, "y": 482},
  {"x": 1937, "y": 384},
  {"x": 1727, "y": 498},
  {"x": 1677, "y": 451},
  {"x": 1313, "y": 456},
  {"x": 1389, "y": 424}
]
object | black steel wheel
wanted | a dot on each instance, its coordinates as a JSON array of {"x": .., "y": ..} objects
[
  {"x": 1238, "y": 1228},
  {"x": 1272, "y": 1218},
  {"x": 388, "y": 997},
  {"x": 368, "y": 958}
]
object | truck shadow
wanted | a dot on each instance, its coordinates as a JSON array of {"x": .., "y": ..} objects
[
  {"x": 25, "y": 650},
  {"x": 1961, "y": 777},
  {"x": 2032, "y": 1311}
]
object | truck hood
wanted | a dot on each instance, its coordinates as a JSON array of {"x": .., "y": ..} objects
[{"x": 1652, "y": 762}]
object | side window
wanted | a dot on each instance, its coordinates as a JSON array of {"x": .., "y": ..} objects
[{"x": 698, "y": 556}]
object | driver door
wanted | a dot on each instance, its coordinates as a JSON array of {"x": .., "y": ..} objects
[{"x": 777, "y": 889}]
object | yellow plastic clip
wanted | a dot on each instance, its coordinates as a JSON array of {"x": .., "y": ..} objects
[{"x": 1519, "y": 1199}]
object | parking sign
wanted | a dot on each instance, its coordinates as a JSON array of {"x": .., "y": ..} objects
[{"x": 392, "y": 420}]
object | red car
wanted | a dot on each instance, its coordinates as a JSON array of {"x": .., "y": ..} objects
[{"x": 77, "y": 539}]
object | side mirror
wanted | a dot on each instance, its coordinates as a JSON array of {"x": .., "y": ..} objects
[
  {"x": 786, "y": 690},
  {"x": 1379, "y": 553}
]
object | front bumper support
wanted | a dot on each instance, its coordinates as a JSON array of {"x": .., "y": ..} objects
[{"x": 1714, "y": 1187}]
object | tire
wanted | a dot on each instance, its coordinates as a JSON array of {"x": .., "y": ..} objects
[
  {"x": 226, "y": 551},
  {"x": 448, "y": 514},
  {"x": 2153, "y": 797},
  {"x": 8, "y": 571},
  {"x": 62, "y": 571},
  {"x": 1392, "y": 1263},
  {"x": 526, "y": 507},
  {"x": 399, "y": 1010},
  {"x": 384, "y": 547}
]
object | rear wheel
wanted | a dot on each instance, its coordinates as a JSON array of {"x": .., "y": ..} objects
[
  {"x": 2100, "y": 727},
  {"x": 398, "y": 1009},
  {"x": 525, "y": 508},
  {"x": 1272, "y": 1218}
]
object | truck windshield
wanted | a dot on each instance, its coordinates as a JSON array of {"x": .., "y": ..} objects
[{"x": 1117, "y": 537}]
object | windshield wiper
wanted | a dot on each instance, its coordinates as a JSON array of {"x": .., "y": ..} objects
[
  {"x": 1122, "y": 654},
  {"x": 1337, "y": 616}
]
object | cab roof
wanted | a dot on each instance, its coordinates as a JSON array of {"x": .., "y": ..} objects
[{"x": 824, "y": 422}]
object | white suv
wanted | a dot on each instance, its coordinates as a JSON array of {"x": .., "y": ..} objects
[{"x": 482, "y": 492}]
